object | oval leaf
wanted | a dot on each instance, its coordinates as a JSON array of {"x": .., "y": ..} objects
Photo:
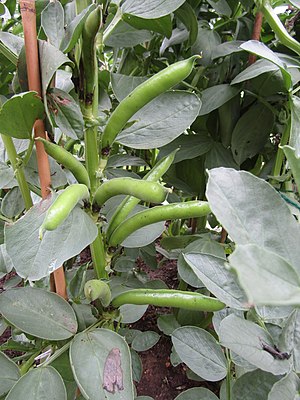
[
  {"x": 101, "y": 365},
  {"x": 254, "y": 385},
  {"x": 151, "y": 9},
  {"x": 200, "y": 351},
  {"x": 215, "y": 96},
  {"x": 217, "y": 278},
  {"x": 145, "y": 340},
  {"x": 39, "y": 383},
  {"x": 247, "y": 340},
  {"x": 236, "y": 197},
  {"x": 161, "y": 121},
  {"x": 37, "y": 258},
  {"x": 25, "y": 108},
  {"x": 39, "y": 313},
  {"x": 10, "y": 374},
  {"x": 255, "y": 266},
  {"x": 251, "y": 132},
  {"x": 197, "y": 394}
]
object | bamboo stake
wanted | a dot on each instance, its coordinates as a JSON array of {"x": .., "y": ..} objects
[
  {"x": 256, "y": 34},
  {"x": 28, "y": 14}
]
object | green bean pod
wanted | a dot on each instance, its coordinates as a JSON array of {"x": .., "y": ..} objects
[
  {"x": 273, "y": 20},
  {"x": 169, "y": 298},
  {"x": 128, "y": 204},
  {"x": 62, "y": 206},
  {"x": 89, "y": 32},
  {"x": 148, "y": 191},
  {"x": 142, "y": 95},
  {"x": 62, "y": 156},
  {"x": 189, "y": 209}
]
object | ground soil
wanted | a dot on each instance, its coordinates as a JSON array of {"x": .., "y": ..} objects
[{"x": 160, "y": 379}]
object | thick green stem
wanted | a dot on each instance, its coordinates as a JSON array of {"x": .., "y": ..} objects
[
  {"x": 228, "y": 376},
  {"x": 89, "y": 106},
  {"x": 28, "y": 364},
  {"x": 277, "y": 26},
  {"x": 91, "y": 156},
  {"x": 19, "y": 172},
  {"x": 99, "y": 256},
  {"x": 280, "y": 154}
]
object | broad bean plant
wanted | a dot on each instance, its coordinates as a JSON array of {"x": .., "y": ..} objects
[{"x": 166, "y": 127}]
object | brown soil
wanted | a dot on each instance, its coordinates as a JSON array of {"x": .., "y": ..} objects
[{"x": 160, "y": 379}]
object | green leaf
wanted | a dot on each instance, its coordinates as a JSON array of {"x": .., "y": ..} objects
[
  {"x": 51, "y": 59},
  {"x": 131, "y": 313},
  {"x": 286, "y": 389},
  {"x": 236, "y": 197},
  {"x": 185, "y": 271},
  {"x": 200, "y": 351},
  {"x": 122, "y": 85},
  {"x": 178, "y": 36},
  {"x": 6, "y": 264},
  {"x": 254, "y": 385},
  {"x": 167, "y": 323},
  {"x": 19, "y": 113},
  {"x": 260, "y": 49},
  {"x": 6, "y": 176},
  {"x": 294, "y": 163},
  {"x": 190, "y": 146},
  {"x": 38, "y": 312},
  {"x": 187, "y": 16},
  {"x": 197, "y": 394},
  {"x": 161, "y": 121},
  {"x": 10, "y": 374},
  {"x": 255, "y": 266},
  {"x": 161, "y": 25},
  {"x": 11, "y": 46},
  {"x": 258, "y": 68},
  {"x": 145, "y": 340},
  {"x": 215, "y": 96},
  {"x": 12, "y": 203},
  {"x": 290, "y": 340},
  {"x": 219, "y": 156},
  {"x": 221, "y": 7},
  {"x": 294, "y": 104},
  {"x": 246, "y": 339},
  {"x": 207, "y": 41},
  {"x": 37, "y": 258},
  {"x": 217, "y": 278},
  {"x": 52, "y": 21},
  {"x": 137, "y": 366},
  {"x": 125, "y": 35},
  {"x": 66, "y": 113},
  {"x": 251, "y": 132},
  {"x": 39, "y": 383},
  {"x": 151, "y": 9},
  {"x": 101, "y": 365},
  {"x": 227, "y": 48},
  {"x": 58, "y": 176},
  {"x": 74, "y": 30}
]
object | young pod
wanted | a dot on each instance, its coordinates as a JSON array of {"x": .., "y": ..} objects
[
  {"x": 189, "y": 209},
  {"x": 143, "y": 94},
  {"x": 62, "y": 156},
  {"x": 147, "y": 191},
  {"x": 128, "y": 204},
  {"x": 169, "y": 298},
  {"x": 63, "y": 205}
]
